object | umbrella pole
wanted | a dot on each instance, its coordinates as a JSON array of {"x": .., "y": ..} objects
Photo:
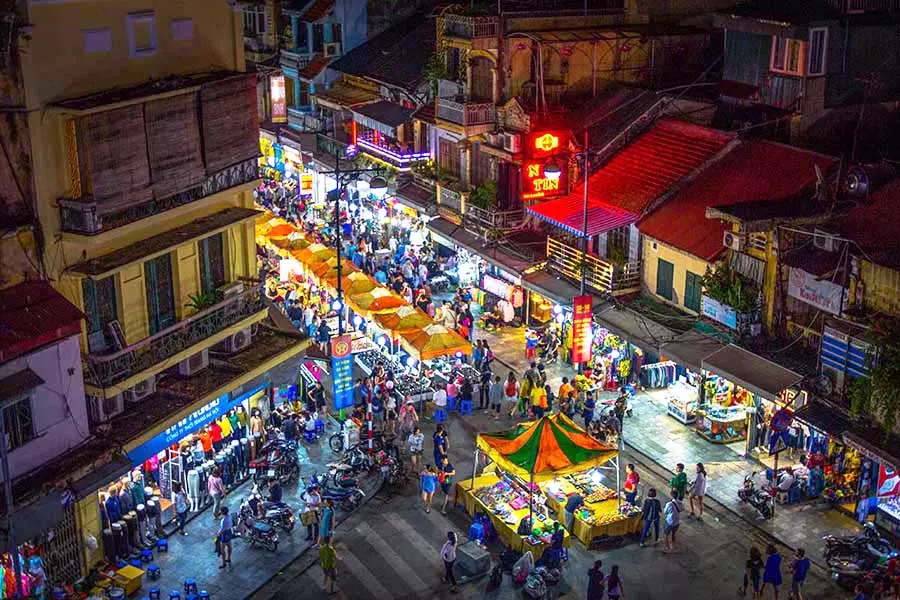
[
  {"x": 531, "y": 502},
  {"x": 618, "y": 483},
  {"x": 474, "y": 470}
]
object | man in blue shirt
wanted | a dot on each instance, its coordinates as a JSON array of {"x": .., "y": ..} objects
[
  {"x": 381, "y": 277},
  {"x": 800, "y": 567}
]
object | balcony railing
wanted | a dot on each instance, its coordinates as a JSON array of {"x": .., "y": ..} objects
[
  {"x": 109, "y": 369},
  {"x": 295, "y": 59},
  {"x": 470, "y": 28},
  {"x": 501, "y": 220},
  {"x": 466, "y": 114},
  {"x": 450, "y": 199},
  {"x": 398, "y": 158},
  {"x": 599, "y": 274},
  {"x": 86, "y": 217}
]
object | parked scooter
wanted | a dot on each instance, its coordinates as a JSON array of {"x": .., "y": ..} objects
[
  {"x": 277, "y": 459},
  {"x": 346, "y": 498},
  {"x": 274, "y": 513},
  {"x": 758, "y": 498},
  {"x": 256, "y": 532},
  {"x": 851, "y": 558}
]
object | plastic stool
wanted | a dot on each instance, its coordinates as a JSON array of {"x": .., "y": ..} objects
[
  {"x": 476, "y": 532},
  {"x": 309, "y": 436},
  {"x": 465, "y": 407},
  {"x": 190, "y": 586},
  {"x": 147, "y": 556},
  {"x": 115, "y": 593},
  {"x": 440, "y": 415},
  {"x": 153, "y": 572},
  {"x": 174, "y": 595},
  {"x": 135, "y": 563},
  {"x": 191, "y": 597},
  {"x": 162, "y": 545},
  {"x": 155, "y": 593},
  {"x": 320, "y": 427},
  {"x": 204, "y": 595},
  {"x": 121, "y": 564}
]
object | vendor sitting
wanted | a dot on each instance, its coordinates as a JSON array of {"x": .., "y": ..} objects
[
  {"x": 493, "y": 319},
  {"x": 309, "y": 425}
]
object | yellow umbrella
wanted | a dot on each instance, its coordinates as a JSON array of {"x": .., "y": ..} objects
[
  {"x": 328, "y": 269},
  {"x": 354, "y": 283},
  {"x": 433, "y": 341},
  {"x": 378, "y": 300},
  {"x": 404, "y": 319}
]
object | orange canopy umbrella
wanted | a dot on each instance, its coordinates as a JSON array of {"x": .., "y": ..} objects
[
  {"x": 354, "y": 283},
  {"x": 314, "y": 253},
  {"x": 328, "y": 268},
  {"x": 406, "y": 318},
  {"x": 433, "y": 341},
  {"x": 282, "y": 230},
  {"x": 378, "y": 300}
]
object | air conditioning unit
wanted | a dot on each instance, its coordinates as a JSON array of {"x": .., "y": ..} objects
[
  {"x": 104, "y": 409},
  {"x": 194, "y": 364},
  {"x": 512, "y": 142},
  {"x": 494, "y": 139},
  {"x": 230, "y": 290},
  {"x": 825, "y": 241},
  {"x": 333, "y": 49},
  {"x": 734, "y": 241},
  {"x": 141, "y": 390},
  {"x": 235, "y": 343}
]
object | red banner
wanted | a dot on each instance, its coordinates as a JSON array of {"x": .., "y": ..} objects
[
  {"x": 581, "y": 329},
  {"x": 888, "y": 482}
]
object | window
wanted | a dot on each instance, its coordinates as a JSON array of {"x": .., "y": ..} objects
[
  {"x": 336, "y": 33},
  {"x": 212, "y": 263},
  {"x": 254, "y": 17},
  {"x": 448, "y": 156},
  {"x": 289, "y": 92},
  {"x": 17, "y": 418},
  {"x": 97, "y": 40},
  {"x": 481, "y": 167},
  {"x": 160, "y": 293},
  {"x": 617, "y": 244},
  {"x": 100, "y": 311},
  {"x": 182, "y": 30},
  {"x": 301, "y": 41},
  {"x": 786, "y": 55},
  {"x": 818, "y": 44},
  {"x": 665, "y": 274},
  {"x": 303, "y": 98},
  {"x": 693, "y": 290},
  {"x": 141, "y": 34},
  {"x": 318, "y": 37}
]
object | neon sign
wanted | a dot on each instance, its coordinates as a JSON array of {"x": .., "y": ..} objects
[
  {"x": 279, "y": 99},
  {"x": 537, "y": 185},
  {"x": 546, "y": 143}
]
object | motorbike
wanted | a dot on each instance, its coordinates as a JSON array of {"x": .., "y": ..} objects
[
  {"x": 758, "y": 498},
  {"x": 256, "y": 532},
  {"x": 274, "y": 513},
  {"x": 277, "y": 459},
  {"x": 341, "y": 475},
  {"x": 548, "y": 349},
  {"x": 853, "y": 558},
  {"x": 346, "y": 498}
]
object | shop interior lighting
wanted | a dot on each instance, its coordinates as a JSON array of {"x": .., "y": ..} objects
[
  {"x": 560, "y": 318},
  {"x": 357, "y": 320},
  {"x": 336, "y": 305},
  {"x": 557, "y": 309},
  {"x": 383, "y": 340},
  {"x": 410, "y": 362},
  {"x": 459, "y": 354}
]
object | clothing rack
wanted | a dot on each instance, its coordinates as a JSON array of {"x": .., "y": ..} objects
[{"x": 662, "y": 363}]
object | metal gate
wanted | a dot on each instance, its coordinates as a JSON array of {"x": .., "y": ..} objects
[{"x": 61, "y": 548}]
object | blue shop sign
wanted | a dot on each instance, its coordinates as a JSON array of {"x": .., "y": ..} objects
[
  {"x": 342, "y": 373},
  {"x": 188, "y": 425}
]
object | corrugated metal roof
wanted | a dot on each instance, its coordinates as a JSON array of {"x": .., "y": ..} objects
[
  {"x": 32, "y": 315},
  {"x": 568, "y": 213}
]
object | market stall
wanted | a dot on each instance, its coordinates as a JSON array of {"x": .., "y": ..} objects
[
  {"x": 552, "y": 458},
  {"x": 434, "y": 341}
]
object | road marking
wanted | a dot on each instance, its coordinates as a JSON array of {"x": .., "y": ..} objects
[
  {"x": 427, "y": 548},
  {"x": 362, "y": 573},
  {"x": 409, "y": 575}
]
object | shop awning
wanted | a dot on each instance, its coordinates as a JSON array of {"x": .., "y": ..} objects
[
  {"x": 19, "y": 384},
  {"x": 641, "y": 331},
  {"x": 454, "y": 234},
  {"x": 568, "y": 213},
  {"x": 690, "y": 348},
  {"x": 751, "y": 371},
  {"x": 554, "y": 288},
  {"x": 824, "y": 418},
  {"x": 383, "y": 116}
]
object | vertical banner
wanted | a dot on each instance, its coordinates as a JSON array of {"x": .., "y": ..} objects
[
  {"x": 581, "y": 329},
  {"x": 279, "y": 99},
  {"x": 342, "y": 371}
]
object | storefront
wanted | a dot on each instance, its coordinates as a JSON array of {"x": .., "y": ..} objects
[{"x": 878, "y": 479}]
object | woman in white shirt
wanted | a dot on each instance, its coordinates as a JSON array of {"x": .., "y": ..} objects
[
  {"x": 416, "y": 443},
  {"x": 698, "y": 490},
  {"x": 448, "y": 555}
]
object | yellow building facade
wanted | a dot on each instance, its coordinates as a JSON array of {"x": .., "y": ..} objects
[{"x": 683, "y": 263}]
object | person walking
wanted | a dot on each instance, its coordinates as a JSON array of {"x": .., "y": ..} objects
[
  {"x": 445, "y": 477},
  {"x": 650, "y": 515},
  {"x": 632, "y": 479},
  {"x": 328, "y": 562},
  {"x": 216, "y": 489},
  {"x": 588, "y": 411},
  {"x": 679, "y": 481},
  {"x": 799, "y": 568},
  {"x": 448, "y": 555},
  {"x": 428, "y": 484},
  {"x": 416, "y": 441},
  {"x": 181, "y": 507},
  {"x": 495, "y": 395},
  {"x": 441, "y": 444},
  {"x": 698, "y": 490},
  {"x": 326, "y": 524},
  {"x": 596, "y": 581},
  {"x": 752, "y": 573},
  {"x": 484, "y": 388},
  {"x": 409, "y": 417},
  {"x": 614, "y": 588},
  {"x": 225, "y": 534},
  {"x": 511, "y": 393},
  {"x": 312, "y": 502},
  {"x": 673, "y": 521},
  {"x": 772, "y": 571}
]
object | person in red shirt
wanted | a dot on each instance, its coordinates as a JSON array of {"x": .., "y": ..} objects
[
  {"x": 206, "y": 440},
  {"x": 632, "y": 479},
  {"x": 215, "y": 432}
]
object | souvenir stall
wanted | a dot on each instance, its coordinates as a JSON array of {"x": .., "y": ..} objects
[
  {"x": 613, "y": 360},
  {"x": 431, "y": 348},
  {"x": 722, "y": 414},
  {"x": 553, "y": 458},
  {"x": 35, "y": 580},
  {"x": 878, "y": 478},
  {"x": 501, "y": 298}
]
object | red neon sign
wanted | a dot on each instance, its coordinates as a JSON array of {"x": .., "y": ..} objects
[{"x": 535, "y": 184}]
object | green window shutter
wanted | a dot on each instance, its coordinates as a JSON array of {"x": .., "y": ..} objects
[
  {"x": 665, "y": 274},
  {"x": 693, "y": 289}
]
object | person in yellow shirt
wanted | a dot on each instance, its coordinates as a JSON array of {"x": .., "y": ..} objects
[
  {"x": 538, "y": 401},
  {"x": 225, "y": 424},
  {"x": 564, "y": 389}
]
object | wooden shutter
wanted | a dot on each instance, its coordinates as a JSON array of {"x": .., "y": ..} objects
[
  {"x": 693, "y": 288},
  {"x": 665, "y": 273},
  {"x": 230, "y": 122},
  {"x": 115, "y": 149},
  {"x": 173, "y": 137}
]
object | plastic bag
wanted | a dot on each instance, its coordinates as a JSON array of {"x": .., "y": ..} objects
[{"x": 523, "y": 565}]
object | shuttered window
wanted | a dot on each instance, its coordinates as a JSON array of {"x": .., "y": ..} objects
[
  {"x": 665, "y": 273},
  {"x": 693, "y": 289},
  {"x": 160, "y": 293},
  {"x": 99, "y": 311},
  {"x": 230, "y": 122},
  {"x": 173, "y": 144},
  {"x": 212, "y": 263}
]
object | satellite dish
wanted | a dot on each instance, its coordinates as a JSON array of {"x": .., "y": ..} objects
[{"x": 857, "y": 183}]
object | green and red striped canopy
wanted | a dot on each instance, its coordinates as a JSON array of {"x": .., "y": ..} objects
[{"x": 545, "y": 449}]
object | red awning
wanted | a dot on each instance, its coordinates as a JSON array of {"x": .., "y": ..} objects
[{"x": 568, "y": 213}]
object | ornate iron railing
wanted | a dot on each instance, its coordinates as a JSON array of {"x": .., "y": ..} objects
[
  {"x": 599, "y": 274},
  {"x": 450, "y": 199},
  {"x": 466, "y": 114},
  {"x": 109, "y": 369},
  {"x": 85, "y": 216},
  {"x": 295, "y": 59},
  {"x": 501, "y": 220},
  {"x": 464, "y": 26}
]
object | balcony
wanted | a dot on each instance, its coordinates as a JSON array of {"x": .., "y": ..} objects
[
  {"x": 400, "y": 156},
  {"x": 86, "y": 217},
  {"x": 468, "y": 114},
  {"x": 108, "y": 369},
  {"x": 599, "y": 274},
  {"x": 295, "y": 59},
  {"x": 481, "y": 32},
  {"x": 493, "y": 220}
]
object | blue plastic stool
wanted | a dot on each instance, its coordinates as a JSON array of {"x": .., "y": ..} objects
[
  {"x": 191, "y": 597},
  {"x": 320, "y": 427},
  {"x": 190, "y": 586},
  {"x": 121, "y": 564},
  {"x": 204, "y": 595},
  {"x": 476, "y": 532},
  {"x": 135, "y": 563},
  {"x": 162, "y": 545},
  {"x": 309, "y": 436},
  {"x": 174, "y": 595},
  {"x": 155, "y": 593},
  {"x": 147, "y": 556},
  {"x": 452, "y": 402},
  {"x": 440, "y": 415},
  {"x": 465, "y": 407},
  {"x": 153, "y": 572}
]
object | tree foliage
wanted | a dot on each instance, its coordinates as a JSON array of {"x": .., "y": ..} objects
[{"x": 878, "y": 394}]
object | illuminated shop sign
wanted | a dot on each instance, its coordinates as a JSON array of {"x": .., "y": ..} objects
[
  {"x": 279, "y": 99},
  {"x": 535, "y": 183}
]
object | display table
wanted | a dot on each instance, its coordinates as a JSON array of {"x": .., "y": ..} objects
[
  {"x": 683, "y": 411},
  {"x": 722, "y": 425},
  {"x": 603, "y": 517},
  {"x": 506, "y": 529}
]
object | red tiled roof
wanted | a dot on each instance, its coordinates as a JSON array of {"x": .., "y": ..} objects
[
  {"x": 751, "y": 172},
  {"x": 647, "y": 167},
  {"x": 874, "y": 225},
  {"x": 32, "y": 315},
  {"x": 315, "y": 66},
  {"x": 319, "y": 9}
]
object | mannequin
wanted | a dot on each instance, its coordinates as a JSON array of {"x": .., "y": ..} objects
[
  {"x": 193, "y": 489},
  {"x": 126, "y": 501},
  {"x": 137, "y": 487},
  {"x": 113, "y": 507},
  {"x": 141, "y": 511}
]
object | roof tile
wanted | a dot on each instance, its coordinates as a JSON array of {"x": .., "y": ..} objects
[{"x": 32, "y": 315}]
